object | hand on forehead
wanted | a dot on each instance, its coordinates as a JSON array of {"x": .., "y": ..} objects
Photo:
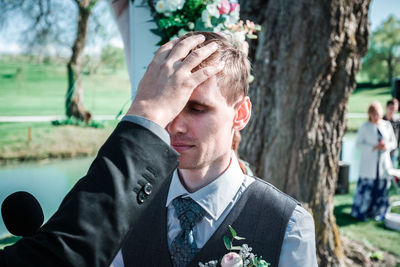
[{"x": 170, "y": 79}]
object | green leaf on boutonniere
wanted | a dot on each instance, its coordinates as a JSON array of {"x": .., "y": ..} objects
[
  {"x": 232, "y": 231},
  {"x": 228, "y": 243},
  {"x": 239, "y": 238},
  {"x": 236, "y": 248}
]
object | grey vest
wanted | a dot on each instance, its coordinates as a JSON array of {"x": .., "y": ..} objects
[{"x": 261, "y": 216}]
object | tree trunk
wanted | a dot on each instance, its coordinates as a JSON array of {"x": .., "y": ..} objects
[
  {"x": 305, "y": 63},
  {"x": 74, "y": 98},
  {"x": 390, "y": 67}
]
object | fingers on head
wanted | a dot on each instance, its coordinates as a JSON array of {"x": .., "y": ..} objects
[
  {"x": 205, "y": 73},
  {"x": 164, "y": 51},
  {"x": 182, "y": 48},
  {"x": 198, "y": 55}
]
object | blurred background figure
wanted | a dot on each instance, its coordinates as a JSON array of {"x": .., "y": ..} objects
[
  {"x": 375, "y": 140},
  {"x": 392, "y": 107}
]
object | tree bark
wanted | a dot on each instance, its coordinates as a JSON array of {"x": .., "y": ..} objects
[
  {"x": 74, "y": 99},
  {"x": 305, "y": 63},
  {"x": 390, "y": 67}
]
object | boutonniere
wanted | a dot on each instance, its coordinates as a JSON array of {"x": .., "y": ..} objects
[{"x": 244, "y": 257}]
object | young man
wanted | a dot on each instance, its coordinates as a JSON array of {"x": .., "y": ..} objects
[
  {"x": 392, "y": 107},
  {"x": 208, "y": 191},
  {"x": 132, "y": 166}
]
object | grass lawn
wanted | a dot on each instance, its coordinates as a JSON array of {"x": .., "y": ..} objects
[
  {"x": 360, "y": 100},
  {"x": 48, "y": 141},
  {"x": 369, "y": 232},
  {"x": 39, "y": 89}
]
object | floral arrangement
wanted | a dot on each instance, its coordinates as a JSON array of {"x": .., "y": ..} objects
[
  {"x": 177, "y": 17},
  {"x": 245, "y": 258}
]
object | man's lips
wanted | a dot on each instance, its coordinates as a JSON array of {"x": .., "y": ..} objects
[{"x": 181, "y": 147}]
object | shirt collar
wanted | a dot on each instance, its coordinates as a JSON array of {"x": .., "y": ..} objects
[{"x": 214, "y": 197}]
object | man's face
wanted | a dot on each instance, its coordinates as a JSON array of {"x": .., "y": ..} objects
[
  {"x": 376, "y": 115},
  {"x": 390, "y": 110},
  {"x": 202, "y": 132}
]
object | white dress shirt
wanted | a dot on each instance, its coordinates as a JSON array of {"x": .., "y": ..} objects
[{"x": 218, "y": 199}]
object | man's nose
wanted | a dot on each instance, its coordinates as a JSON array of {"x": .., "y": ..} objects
[{"x": 177, "y": 126}]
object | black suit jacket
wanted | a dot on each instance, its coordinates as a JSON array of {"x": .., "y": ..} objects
[{"x": 94, "y": 218}]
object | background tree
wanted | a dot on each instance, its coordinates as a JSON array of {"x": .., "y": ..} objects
[
  {"x": 382, "y": 61},
  {"x": 63, "y": 25},
  {"x": 305, "y": 62},
  {"x": 74, "y": 99},
  {"x": 112, "y": 57}
]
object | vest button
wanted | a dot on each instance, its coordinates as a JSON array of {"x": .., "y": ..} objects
[
  {"x": 148, "y": 188},
  {"x": 141, "y": 196}
]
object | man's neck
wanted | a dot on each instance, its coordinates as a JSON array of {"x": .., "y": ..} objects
[
  {"x": 195, "y": 179},
  {"x": 389, "y": 117}
]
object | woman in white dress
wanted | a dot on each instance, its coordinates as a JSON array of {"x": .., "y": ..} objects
[{"x": 375, "y": 140}]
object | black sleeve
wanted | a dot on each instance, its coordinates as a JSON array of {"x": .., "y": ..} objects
[{"x": 92, "y": 221}]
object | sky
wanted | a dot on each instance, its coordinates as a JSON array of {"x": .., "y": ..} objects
[{"x": 379, "y": 11}]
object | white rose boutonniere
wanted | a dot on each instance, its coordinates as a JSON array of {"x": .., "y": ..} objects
[{"x": 244, "y": 257}]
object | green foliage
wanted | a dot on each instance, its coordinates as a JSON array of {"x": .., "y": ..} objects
[
  {"x": 227, "y": 243},
  {"x": 41, "y": 89},
  {"x": 113, "y": 57},
  {"x": 76, "y": 122},
  {"x": 371, "y": 232},
  {"x": 381, "y": 63},
  {"x": 180, "y": 20},
  {"x": 377, "y": 256},
  {"x": 395, "y": 210},
  {"x": 8, "y": 240}
]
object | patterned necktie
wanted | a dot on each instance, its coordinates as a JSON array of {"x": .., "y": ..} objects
[{"x": 184, "y": 247}]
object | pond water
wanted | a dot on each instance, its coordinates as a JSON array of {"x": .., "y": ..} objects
[{"x": 50, "y": 181}]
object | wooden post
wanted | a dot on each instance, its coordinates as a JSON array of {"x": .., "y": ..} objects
[{"x": 29, "y": 134}]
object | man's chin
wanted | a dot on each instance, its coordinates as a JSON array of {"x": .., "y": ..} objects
[{"x": 185, "y": 164}]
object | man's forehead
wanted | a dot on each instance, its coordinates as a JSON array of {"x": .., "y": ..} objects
[{"x": 208, "y": 92}]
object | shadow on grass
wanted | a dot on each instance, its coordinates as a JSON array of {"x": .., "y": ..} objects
[{"x": 343, "y": 218}]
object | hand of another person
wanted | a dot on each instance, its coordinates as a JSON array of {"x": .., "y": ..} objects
[
  {"x": 380, "y": 146},
  {"x": 169, "y": 81}
]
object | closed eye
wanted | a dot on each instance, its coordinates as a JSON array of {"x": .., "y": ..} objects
[{"x": 197, "y": 108}]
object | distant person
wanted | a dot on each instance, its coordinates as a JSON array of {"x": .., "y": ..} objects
[
  {"x": 392, "y": 107},
  {"x": 375, "y": 139}
]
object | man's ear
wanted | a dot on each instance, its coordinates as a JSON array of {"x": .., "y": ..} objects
[{"x": 243, "y": 113}]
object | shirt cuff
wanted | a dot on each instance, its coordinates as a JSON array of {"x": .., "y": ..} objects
[{"x": 149, "y": 125}]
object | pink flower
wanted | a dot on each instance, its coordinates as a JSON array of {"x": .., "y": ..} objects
[
  {"x": 231, "y": 259},
  {"x": 225, "y": 7},
  {"x": 233, "y": 7}
]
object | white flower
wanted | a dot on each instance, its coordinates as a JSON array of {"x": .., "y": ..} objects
[
  {"x": 206, "y": 18},
  {"x": 234, "y": 16},
  {"x": 231, "y": 259},
  {"x": 238, "y": 38},
  {"x": 190, "y": 25},
  {"x": 213, "y": 10},
  {"x": 173, "y": 5},
  {"x": 168, "y": 6},
  {"x": 219, "y": 28},
  {"x": 160, "y": 6}
]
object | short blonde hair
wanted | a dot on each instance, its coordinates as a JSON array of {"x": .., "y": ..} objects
[
  {"x": 375, "y": 106},
  {"x": 234, "y": 77}
]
